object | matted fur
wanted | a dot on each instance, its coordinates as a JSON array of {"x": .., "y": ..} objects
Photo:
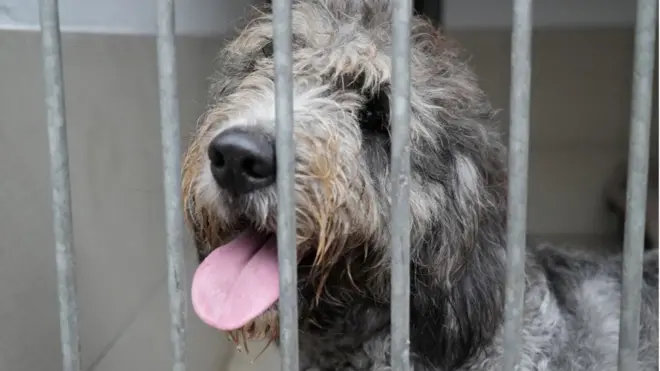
[{"x": 458, "y": 203}]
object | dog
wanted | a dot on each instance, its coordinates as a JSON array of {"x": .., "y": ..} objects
[{"x": 458, "y": 203}]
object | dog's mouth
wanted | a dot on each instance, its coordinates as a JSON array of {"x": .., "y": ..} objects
[{"x": 237, "y": 282}]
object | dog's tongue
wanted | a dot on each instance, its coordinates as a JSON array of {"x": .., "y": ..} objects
[{"x": 236, "y": 282}]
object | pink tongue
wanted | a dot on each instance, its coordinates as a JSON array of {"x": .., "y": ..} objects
[{"x": 237, "y": 282}]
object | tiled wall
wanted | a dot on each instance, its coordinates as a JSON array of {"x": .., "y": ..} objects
[{"x": 581, "y": 91}]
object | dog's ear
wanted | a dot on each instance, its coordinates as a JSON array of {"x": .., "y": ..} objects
[{"x": 451, "y": 321}]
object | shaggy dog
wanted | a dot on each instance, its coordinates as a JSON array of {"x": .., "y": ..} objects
[{"x": 341, "y": 69}]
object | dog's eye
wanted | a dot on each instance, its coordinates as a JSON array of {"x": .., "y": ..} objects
[
  {"x": 267, "y": 49},
  {"x": 374, "y": 115}
]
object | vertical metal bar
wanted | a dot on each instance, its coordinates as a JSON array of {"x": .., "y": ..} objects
[
  {"x": 638, "y": 164},
  {"x": 61, "y": 187},
  {"x": 284, "y": 147},
  {"x": 521, "y": 68},
  {"x": 400, "y": 183},
  {"x": 171, "y": 143}
]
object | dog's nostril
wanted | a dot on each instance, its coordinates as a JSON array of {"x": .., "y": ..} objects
[
  {"x": 242, "y": 161},
  {"x": 257, "y": 169},
  {"x": 217, "y": 159}
]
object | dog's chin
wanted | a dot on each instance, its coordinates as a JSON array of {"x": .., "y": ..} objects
[{"x": 263, "y": 327}]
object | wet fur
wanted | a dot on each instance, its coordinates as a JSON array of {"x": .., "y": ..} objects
[{"x": 458, "y": 204}]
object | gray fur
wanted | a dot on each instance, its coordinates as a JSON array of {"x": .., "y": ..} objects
[{"x": 458, "y": 203}]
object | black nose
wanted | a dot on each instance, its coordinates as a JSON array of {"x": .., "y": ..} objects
[{"x": 242, "y": 161}]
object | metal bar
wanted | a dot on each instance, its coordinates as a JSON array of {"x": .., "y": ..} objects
[
  {"x": 638, "y": 166},
  {"x": 400, "y": 183},
  {"x": 521, "y": 68},
  {"x": 61, "y": 187},
  {"x": 285, "y": 149},
  {"x": 171, "y": 143}
]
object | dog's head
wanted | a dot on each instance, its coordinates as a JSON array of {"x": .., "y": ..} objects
[{"x": 341, "y": 91}]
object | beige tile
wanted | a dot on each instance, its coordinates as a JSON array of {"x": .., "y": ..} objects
[{"x": 145, "y": 344}]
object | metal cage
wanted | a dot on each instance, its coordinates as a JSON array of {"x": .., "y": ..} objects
[{"x": 645, "y": 37}]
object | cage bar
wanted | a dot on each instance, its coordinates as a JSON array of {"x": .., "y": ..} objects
[
  {"x": 171, "y": 147},
  {"x": 638, "y": 166},
  {"x": 285, "y": 149},
  {"x": 521, "y": 68},
  {"x": 61, "y": 186},
  {"x": 400, "y": 186}
]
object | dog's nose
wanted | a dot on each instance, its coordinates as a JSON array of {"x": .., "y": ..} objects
[{"x": 242, "y": 161}]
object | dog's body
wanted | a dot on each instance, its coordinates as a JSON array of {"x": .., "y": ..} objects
[
  {"x": 571, "y": 323},
  {"x": 341, "y": 68}
]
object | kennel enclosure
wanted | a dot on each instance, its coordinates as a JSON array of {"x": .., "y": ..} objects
[{"x": 518, "y": 166}]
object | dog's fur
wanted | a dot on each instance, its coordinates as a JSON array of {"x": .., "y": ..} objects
[{"x": 341, "y": 67}]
